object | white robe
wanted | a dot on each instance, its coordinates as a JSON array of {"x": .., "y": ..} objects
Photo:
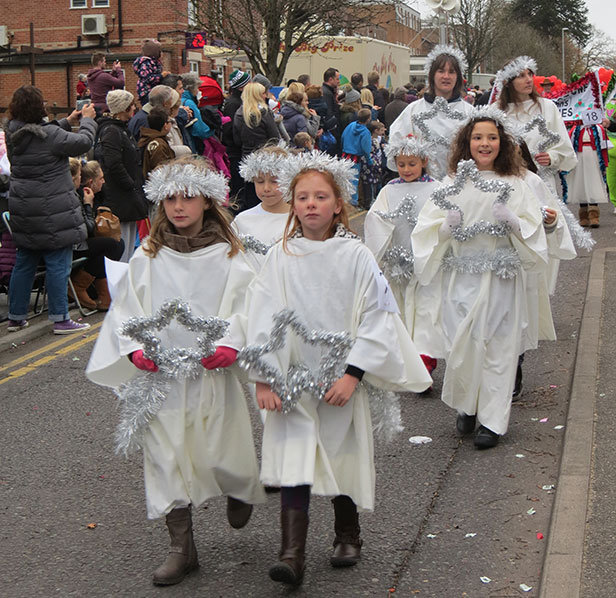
[
  {"x": 482, "y": 317},
  {"x": 265, "y": 226},
  {"x": 331, "y": 285},
  {"x": 200, "y": 443},
  {"x": 447, "y": 127},
  {"x": 416, "y": 302},
  {"x": 585, "y": 182},
  {"x": 562, "y": 154}
]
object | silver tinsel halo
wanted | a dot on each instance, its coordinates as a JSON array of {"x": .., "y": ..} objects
[
  {"x": 504, "y": 262},
  {"x": 253, "y": 244},
  {"x": 299, "y": 379},
  {"x": 448, "y": 50},
  {"x": 492, "y": 112},
  {"x": 342, "y": 170},
  {"x": 168, "y": 179},
  {"x": 440, "y": 109},
  {"x": 261, "y": 162},
  {"x": 467, "y": 170},
  {"x": 408, "y": 146},
  {"x": 512, "y": 70},
  {"x": 141, "y": 398}
]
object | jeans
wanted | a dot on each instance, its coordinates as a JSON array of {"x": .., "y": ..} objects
[{"x": 58, "y": 269}]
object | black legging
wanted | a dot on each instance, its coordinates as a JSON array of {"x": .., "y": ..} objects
[{"x": 98, "y": 249}]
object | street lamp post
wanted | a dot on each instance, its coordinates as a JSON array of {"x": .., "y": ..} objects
[{"x": 562, "y": 33}]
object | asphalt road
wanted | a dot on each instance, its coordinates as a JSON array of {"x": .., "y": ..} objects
[{"x": 449, "y": 521}]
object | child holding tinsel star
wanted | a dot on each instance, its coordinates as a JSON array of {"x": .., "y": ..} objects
[
  {"x": 477, "y": 234},
  {"x": 197, "y": 440},
  {"x": 265, "y": 222},
  {"x": 331, "y": 282},
  {"x": 388, "y": 227}
]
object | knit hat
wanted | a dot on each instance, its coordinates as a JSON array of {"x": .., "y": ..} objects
[
  {"x": 238, "y": 79},
  {"x": 351, "y": 96},
  {"x": 119, "y": 100},
  {"x": 263, "y": 80}
]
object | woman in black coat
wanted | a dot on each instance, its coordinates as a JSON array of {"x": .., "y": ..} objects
[{"x": 118, "y": 154}]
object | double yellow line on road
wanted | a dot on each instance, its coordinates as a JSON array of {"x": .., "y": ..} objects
[{"x": 48, "y": 354}]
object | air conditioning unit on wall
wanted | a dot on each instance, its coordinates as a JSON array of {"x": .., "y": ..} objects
[
  {"x": 4, "y": 35},
  {"x": 93, "y": 25}
]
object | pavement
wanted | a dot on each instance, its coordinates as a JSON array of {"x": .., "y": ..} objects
[{"x": 532, "y": 517}]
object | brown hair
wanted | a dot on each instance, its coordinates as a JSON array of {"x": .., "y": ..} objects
[
  {"x": 314, "y": 91},
  {"x": 440, "y": 62},
  {"x": 74, "y": 165},
  {"x": 508, "y": 95},
  {"x": 90, "y": 170},
  {"x": 27, "y": 105},
  {"x": 293, "y": 223},
  {"x": 213, "y": 214},
  {"x": 508, "y": 161},
  {"x": 97, "y": 57},
  {"x": 296, "y": 97}
]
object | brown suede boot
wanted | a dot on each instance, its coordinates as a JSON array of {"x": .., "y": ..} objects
[
  {"x": 102, "y": 290},
  {"x": 290, "y": 567},
  {"x": 347, "y": 544},
  {"x": 81, "y": 281},
  {"x": 593, "y": 216},
  {"x": 182, "y": 557},
  {"x": 583, "y": 216}
]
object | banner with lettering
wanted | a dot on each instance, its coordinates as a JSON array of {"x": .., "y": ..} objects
[{"x": 580, "y": 101}]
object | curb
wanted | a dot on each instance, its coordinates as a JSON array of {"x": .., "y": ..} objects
[
  {"x": 38, "y": 326},
  {"x": 562, "y": 567}
]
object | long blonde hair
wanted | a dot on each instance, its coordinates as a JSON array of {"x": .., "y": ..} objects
[
  {"x": 214, "y": 214},
  {"x": 252, "y": 103},
  {"x": 293, "y": 223},
  {"x": 366, "y": 97}
]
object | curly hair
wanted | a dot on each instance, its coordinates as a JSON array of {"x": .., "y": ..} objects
[
  {"x": 27, "y": 105},
  {"x": 508, "y": 161}
]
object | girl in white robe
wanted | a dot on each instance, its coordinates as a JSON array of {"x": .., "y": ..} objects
[
  {"x": 444, "y": 68},
  {"x": 480, "y": 233},
  {"x": 198, "y": 444},
  {"x": 266, "y": 221},
  {"x": 387, "y": 229},
  {"x": 331, "y": 281}
]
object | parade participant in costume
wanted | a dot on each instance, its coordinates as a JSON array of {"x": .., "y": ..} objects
[
  {"x": 444, "y": 67},
  {"x": 265, "y": 222},
  {"x": 587, "y": 182},
  {"x": 197, "y": 442},
  {"x": 388, "y": 227},
  {"x": 331, "y": 282},
  {"x": 517, "y": 97},
  {"x": 478, "y": 232}
]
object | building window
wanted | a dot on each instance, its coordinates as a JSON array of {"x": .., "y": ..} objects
[
  {"x": 100, "y": 3},
  {"x": 192, "y": 14},
  {"x": 79, "y": 3},
  {"x": 194, "y": 66}
]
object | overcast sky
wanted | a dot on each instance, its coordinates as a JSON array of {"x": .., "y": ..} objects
[{"x": 601, "y": 14}]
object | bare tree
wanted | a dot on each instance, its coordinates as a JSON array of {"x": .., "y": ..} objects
[
  {"x": 268, "y": 31},
  {"x": 476, "y": 29},
  {"x": 599, "y": 51}
]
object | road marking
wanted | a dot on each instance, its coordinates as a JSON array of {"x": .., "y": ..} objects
[
  {"x": 46, "y": 348},
  {"x": 18, "y": 373}
]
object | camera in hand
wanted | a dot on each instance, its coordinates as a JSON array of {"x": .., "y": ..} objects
[{"x": 81, "y": 103}]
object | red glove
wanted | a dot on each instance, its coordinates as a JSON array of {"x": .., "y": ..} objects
[
  {"x": 222, "y": 358},
  {"x": 141, "y": 362}
]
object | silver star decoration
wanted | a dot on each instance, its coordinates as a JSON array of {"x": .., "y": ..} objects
[
  {"x": 440, "y": 109},
  {"x": 547, "y": 138},
  {"x": 406, "y": 210},
  {"x": 141, "y": 398},
  {"x": 467, "y": 171},
  {"x": 299, "y": 378},
  {"x": 253, "y": 244}
]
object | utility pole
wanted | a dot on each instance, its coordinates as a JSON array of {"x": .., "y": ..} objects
[{"x": 32, "y": 51}]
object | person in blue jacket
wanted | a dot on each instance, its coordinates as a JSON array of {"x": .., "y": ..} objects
[
  {"x": 357, "y": 143},
  {"x": 190, "y": 98}
]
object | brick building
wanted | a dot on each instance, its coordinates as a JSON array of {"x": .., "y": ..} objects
[{"x": 69, "y": 31}]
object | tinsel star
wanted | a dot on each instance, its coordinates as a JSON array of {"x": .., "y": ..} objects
[
  {"x": 467, "y": 171},
  {"x": 142, "y": 397},
  {"x": 440, "y": 109},
  {"x": 253, "y": 244},
  {"x": 299, "y": 378},
  {"x": 406, "y": 210},
  {"x": 547, "y": 138}
]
